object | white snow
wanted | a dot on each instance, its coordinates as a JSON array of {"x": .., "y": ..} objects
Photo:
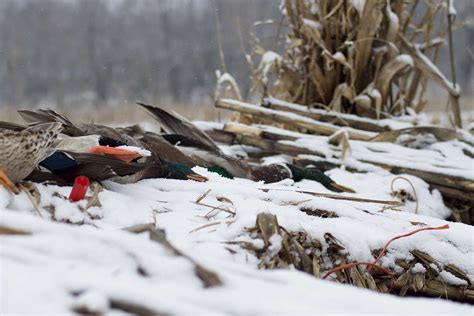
[
  {"x": 416, "y": 141},
  {"x": 293, "y": 116},
  {"x": 437, "y": 157},
  {"x": 451, "y": 8},
  {"x": 269, "y": 59},
  {"x": 92, "y": 262},
  {"x": 405, "y": 59},
  {"x": 141, "y": 151},
  {"x": 455, "y": 89},
  {"x": 226, "y": 78},
  {"x": 238, "y": 151},
  {"x": 450, "y": 278},
  {"x": 395, "y": 155},
  {"x": 393, "y": 124},
  {"x": 418, "y": 268},
  {"x": 359, "y": 5},
  {"x": 313, "y": 24},
  {"x": 275, "y": 244},
  {"x": 206, "y": 126}
]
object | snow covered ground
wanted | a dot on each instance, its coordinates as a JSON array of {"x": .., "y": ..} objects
[{"x": 70, "y": 259}]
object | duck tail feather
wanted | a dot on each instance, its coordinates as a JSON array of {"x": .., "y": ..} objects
[{"x": 174, "y": 123}]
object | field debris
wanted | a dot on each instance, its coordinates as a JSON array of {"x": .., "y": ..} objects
[
  {"x": 353, "y": 75},
  {"x": 325, "y": 258},
  {"x": 348, "y": 92}
]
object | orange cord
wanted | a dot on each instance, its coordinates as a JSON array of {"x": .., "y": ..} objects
[
  {"x": 352, "y": 264},
  {"x": 384, "y": 250},
  {"x": 406, "y": 235}
]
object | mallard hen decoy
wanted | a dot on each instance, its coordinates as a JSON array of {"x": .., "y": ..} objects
[{"x": 22, "y": 151}]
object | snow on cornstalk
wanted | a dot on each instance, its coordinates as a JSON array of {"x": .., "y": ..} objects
[
  {"x": 226, "y": 83},
  {"x": 451, "y": 8},
  {"x": 315, "y": 64}
]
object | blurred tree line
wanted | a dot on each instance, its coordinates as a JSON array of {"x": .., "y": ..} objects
[
  {"x": 78, "y": 52},
  {"x": 95, "y": 51}
]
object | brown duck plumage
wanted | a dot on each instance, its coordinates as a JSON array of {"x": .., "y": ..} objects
[{"x": 21, "y": 151}]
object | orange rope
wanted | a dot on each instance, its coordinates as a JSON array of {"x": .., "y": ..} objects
[
  {"x": 352, "y": 264},
  {"x": 384, "y": 250},
  {"x": 406, "y": 235}
]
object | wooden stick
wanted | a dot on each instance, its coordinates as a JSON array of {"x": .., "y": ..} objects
[
  {"x": 290, "y": 119},
  {"x": 339, "y": 197},
  {"x": 276, "y": 147},
  {"x": 327, "y": 116},
  {"x": 240, "y": 128}
]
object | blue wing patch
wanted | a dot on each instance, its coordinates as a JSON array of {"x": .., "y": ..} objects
[{"x": 58, "y": 162}]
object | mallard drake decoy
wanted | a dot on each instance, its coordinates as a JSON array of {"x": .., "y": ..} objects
[
  {"x": 22, "y": 151},
  {"x": 157, "y": 165},
  {"x": 299, "y": 174},
  {"x": 198, "y": 145},
  {"x": 63, "y": 167},
  {"x": 173, "y": 123},
  {"x": 71, "y": 156},
  {"x": 195, "y": 143}
]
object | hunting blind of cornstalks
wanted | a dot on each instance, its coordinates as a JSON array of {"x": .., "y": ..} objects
[{"x": 328, "y": 173}]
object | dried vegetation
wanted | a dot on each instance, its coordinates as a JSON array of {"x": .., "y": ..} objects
[
  {"x": 329, "y": 257},
  {"x": 345, "y": 71},
  {"x": 362, "y": 60}
]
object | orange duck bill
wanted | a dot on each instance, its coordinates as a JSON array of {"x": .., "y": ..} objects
[{"x": 119, "y": 153}]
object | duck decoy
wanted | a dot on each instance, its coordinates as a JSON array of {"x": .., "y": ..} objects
[
  {"x": 63, "y": 167},
  {"x": 69, "y": 157},
  {"x": 22, "y": 151},
  {"x": 174, "y": 123},
  {"x": 197, "y": 144},
  {"x": 299, "y": 174},
  {"x": 109, "y": 141}
]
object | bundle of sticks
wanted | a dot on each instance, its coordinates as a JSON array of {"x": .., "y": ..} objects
[{"x": 325, "y": 139}]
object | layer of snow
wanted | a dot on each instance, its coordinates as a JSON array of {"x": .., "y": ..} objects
[
  {"x": 142, "y": 152},
  {"x": 418, "y": 268},
  {"x": 405, "y": 58},
  {"x": 401, "y": 122},
  {"x": 226, "y": 79},
  {"x": 206, "y": 126},
  {"x": 269, "y": 59},
  {"x": 451, "y": 8},
  {"x": 359, "y": 5},
  {"x": 440, "y": 157},
  {"x": 63, "y": 266},
  {"x": 313, "y": 24},
  {"x": 239, "y": 151},
  {"x": 293, "y": 116}
]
